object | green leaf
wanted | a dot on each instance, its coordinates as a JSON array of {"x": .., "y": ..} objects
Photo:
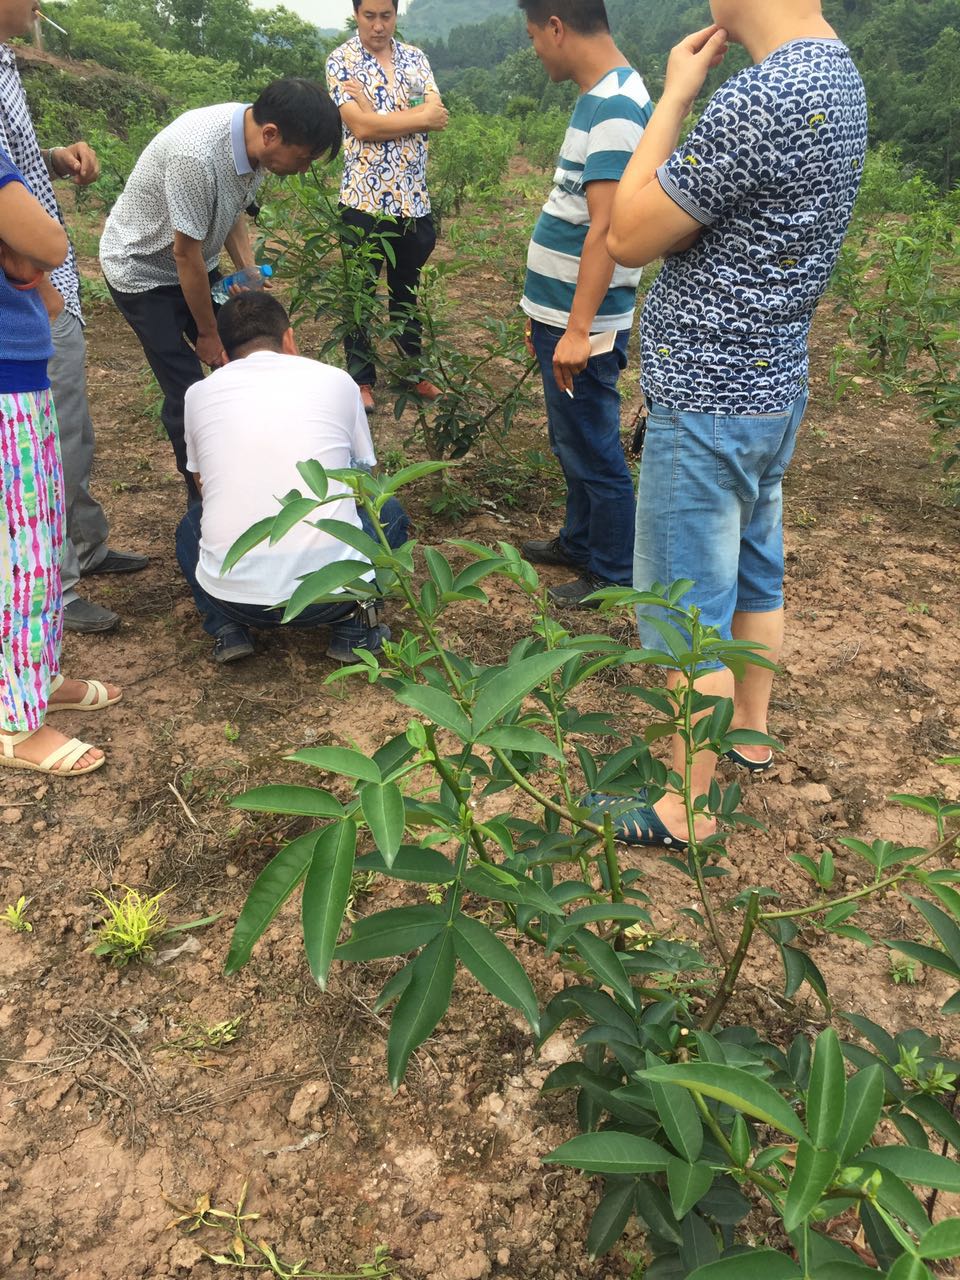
[
  {"x": 593, "y": 914},
  {"x": 941, "y": 924},
  {"x": 495, "y": 967},
  {"x": 394, "y": 988},
  {"x": 827, "y": 1092},
  {"x": 413, "y": 863},
  {"x": 382, "y": 805},
  {"x": 325, "y": 894},
  {"x": 315, "y": 476},
  {"x": 941, "y": 1241},
  {"x": 908, "y": 1267},
  {"x": 610, "y": 1152},
  {"x": 507, "y": 689},
  {"x": 272, "y": 887},
  {"x": 603, "y": 964},
  {"x": 491, "y": 881},
  {"x": 308, "y": 802},
  {"x": 813, "y": 1173},
  {"x": 923, "y": 1167},
  {"x": 936, "y": 1116},
  {"x": 686, "y": 1184},
  {"x": 732, "y": 1086},
  {"x": 353, "y": 537},
  {"x": 392, "y": 933},
  {"x": 931, "y": 956},
  {"x": 326, "y": 584},
  {"x": 340, "y": 760},
  {"x": 611, "y": 1216},
  {"x": 251, "y": 538},
  {"x": 861, "y": 1113},
  {"x": 416, "y": 470},
  {"x": 422, "y": 1005},
  {"x": 438, "y": 707},
  {"x": 680, "y": 1119},
  {"x": 511, "y": 737},
  {"x": 755, "y": 1264},
  {"x": 291, "y": 515}
]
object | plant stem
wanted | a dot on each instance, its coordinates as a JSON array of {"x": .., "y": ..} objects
[
  {"x": 735, "y": 964},
  {"x": 771, "y": 1187},
  {"x": 903, "y": 874}
]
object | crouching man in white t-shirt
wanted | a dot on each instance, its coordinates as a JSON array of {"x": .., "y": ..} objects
[{"x": 247, "y": 426}]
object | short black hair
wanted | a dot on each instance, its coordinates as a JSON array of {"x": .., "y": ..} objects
[
  {"x": 251, "y": 321},
  {"x": 358, "y": 3},
  {"x": 304, "y": 113},
  {"x": 586, "y": 17}
]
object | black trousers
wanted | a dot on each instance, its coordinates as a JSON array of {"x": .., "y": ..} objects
[
  {"x": 411, "y": 242},
  {"x": 167, "y": 331}
]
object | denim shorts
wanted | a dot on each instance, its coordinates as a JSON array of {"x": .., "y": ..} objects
[{"x": 710, "y": 508}]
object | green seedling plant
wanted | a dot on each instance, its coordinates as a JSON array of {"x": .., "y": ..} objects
[
  {"x": 689, "y": 1121},
  {"x": 15, "y": 916},
  {"x": 134, "y": 924},
  {"x": 901, "y": 284},
  {"x": 246, "y": 1254}
]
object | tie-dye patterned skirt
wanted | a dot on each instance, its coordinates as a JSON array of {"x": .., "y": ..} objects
[{"x": 31, "y": 537}]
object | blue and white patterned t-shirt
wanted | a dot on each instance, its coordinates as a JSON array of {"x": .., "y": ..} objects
[
  {"x": 604, "y": 131},
  {"x": 772, "y": 170}
]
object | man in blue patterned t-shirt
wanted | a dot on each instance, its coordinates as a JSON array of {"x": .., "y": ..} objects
[
  {"x": 749, "y": 214},
  {"x": 574, "y": 290}
]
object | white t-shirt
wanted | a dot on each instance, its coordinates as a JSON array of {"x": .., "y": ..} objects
[{"x": 247, "y": 426}]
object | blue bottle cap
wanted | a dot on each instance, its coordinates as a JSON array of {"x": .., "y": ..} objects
[{"x": 266, "y": 271}]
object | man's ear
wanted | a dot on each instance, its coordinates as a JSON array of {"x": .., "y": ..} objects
[
  {"x": 289, "y": 344},
  {"x": 270, "y": 134}
]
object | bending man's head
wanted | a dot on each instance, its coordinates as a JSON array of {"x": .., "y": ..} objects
[
  {"x": 558, "y": 29},
  {"x": 295, "y": 122},
  {"x": 254, "y": 321}
]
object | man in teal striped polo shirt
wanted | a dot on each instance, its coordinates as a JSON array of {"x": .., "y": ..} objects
[{"x": 574, "y": 292}]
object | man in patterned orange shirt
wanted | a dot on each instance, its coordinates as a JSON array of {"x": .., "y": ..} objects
[{"x": 388, "y": 101}]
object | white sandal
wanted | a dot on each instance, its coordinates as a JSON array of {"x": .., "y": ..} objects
[
  {"x": 60, "y": 761},
  {"x": 95, "y": 698}
]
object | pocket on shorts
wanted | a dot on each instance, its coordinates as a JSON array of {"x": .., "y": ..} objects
[{"x": 751, "y": 449}]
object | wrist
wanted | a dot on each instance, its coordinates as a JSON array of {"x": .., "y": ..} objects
[
  {"x": 678, "y": 105},
  {"x": 49, "y": 159}
]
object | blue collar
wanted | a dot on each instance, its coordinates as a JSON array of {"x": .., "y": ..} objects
[{"x": 240, "y": 158}]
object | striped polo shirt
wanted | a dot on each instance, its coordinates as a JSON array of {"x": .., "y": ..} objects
[{"x": 605, "y": 128}]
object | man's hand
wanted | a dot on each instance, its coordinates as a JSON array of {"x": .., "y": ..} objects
[
  {"x": 358, "y": 94},
  {"x": 528, "y": 339},
  {"x": 20, "y": 271},
  {"x": 570, "y": 357},
  {"x": 435, "y": 113},
  {"x": 78, "y": 162},
  {"x": 210, "y": 349},
  {"x": 690, "y": 63}
]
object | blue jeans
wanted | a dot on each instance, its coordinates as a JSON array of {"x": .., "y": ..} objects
[
  {"x": 585, "y": 437},
  {"x": 710, "y": 508},
  {"x": 217, "y": 614}
]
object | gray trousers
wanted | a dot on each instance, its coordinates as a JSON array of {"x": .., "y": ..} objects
[{"x": 85, "y": 538}]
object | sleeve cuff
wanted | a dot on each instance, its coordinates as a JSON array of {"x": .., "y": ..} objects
[{"x": 680, "y": 198}]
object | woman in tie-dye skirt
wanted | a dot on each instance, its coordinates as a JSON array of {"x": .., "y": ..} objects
[{"x": 31, "y": 527}]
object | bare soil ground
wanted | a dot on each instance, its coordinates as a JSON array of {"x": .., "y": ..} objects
[{"x": 107, "y": 1113}]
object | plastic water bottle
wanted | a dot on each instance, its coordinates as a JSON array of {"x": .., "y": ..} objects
[
  {"x": 415, "y": 91},
  {"x": 248, "y": 278}
]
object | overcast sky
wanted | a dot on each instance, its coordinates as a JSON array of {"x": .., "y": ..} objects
[{"x": 323, "y": 13}]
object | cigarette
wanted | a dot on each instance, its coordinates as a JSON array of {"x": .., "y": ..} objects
[
  {"x": 569, "y": 392},
  {"x": 55, "y": 25}
]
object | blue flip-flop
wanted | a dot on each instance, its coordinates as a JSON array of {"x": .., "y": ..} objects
[
  {"x": 754, "y": 766},
  {"x": 634, "y": 820}
]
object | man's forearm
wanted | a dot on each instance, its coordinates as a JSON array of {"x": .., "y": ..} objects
[
  {"x": 195, "y": 283},
  {"x": 593, "y": 280},
  {"x": 375, "y": 126},
  {"x": 238, "y": 245}
]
